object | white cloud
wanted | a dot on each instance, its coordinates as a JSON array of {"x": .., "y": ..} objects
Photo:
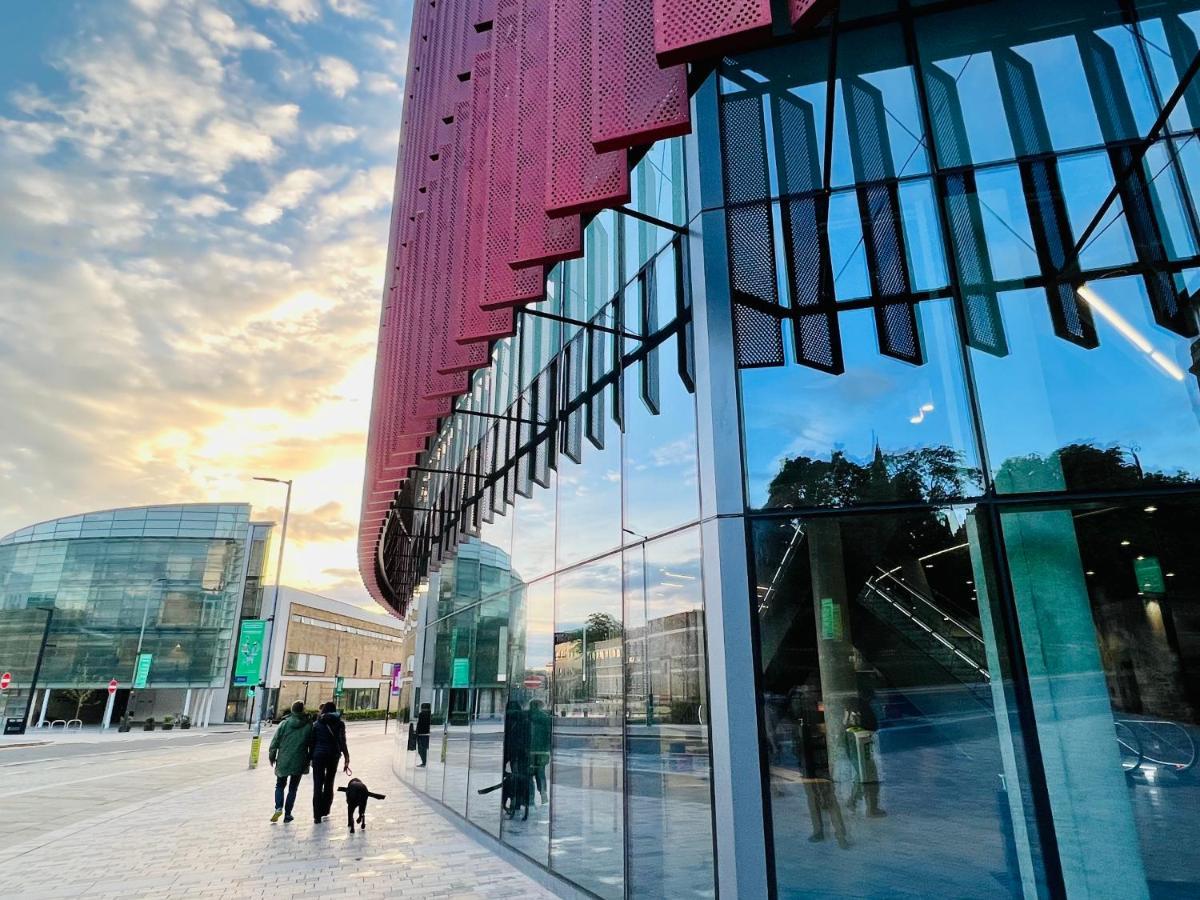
[
  {"x": 220, "y": 28},
  {"x": 364, "y": 192},
  {"x": 204, "y": 206},
  {"x": 336, "y": 75},
  {"x": 285, "y": 194},
  {"x": 378, "y": 83},
  {"x": 354, "y": 9},
  {"x": 324, "y": 136},
  {"x": 296, "y": 10}
]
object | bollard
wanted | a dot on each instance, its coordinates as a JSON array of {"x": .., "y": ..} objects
[{"x": 255, "y": 743}]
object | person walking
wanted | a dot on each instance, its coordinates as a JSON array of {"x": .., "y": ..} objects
[
  {"x": 328, "y": 746},
  {"x": 423, "y": 719},
  {"x": 289, "y": 753},
  {"x": 539, "y": 746}
]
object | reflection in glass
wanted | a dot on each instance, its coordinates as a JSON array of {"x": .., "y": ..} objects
[
  {"x": 531, "y": 664},
  {"x": 882, "y": 686},
  {"x": 1108, "y": 597},
  {"x": 589, "y": 501},
  {"x": 453, "y": 697},
  {"x": 883, "y": 430},
  {"x": 534, "y": 530},
  {"x": 667, "y": 777},
  {"x": 660, "y": 474},
  {"x": 1060, "y": 416},
  {"x": 587, "y": 837},
  {"x": 489, "y": 688}
]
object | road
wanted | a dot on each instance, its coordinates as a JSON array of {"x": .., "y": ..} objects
[{"x": 183, "y": 816}]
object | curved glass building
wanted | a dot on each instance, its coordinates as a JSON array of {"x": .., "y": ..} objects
[
  {"x": 169, "y": 581},
  {"x": 828, "y": 372}
]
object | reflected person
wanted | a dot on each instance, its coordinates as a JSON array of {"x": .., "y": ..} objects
[
  {"x": 862, "y": 746},
  {"x": 812, "y": 749},
  {"x": 424, "y": 718},
  {"x": 539, "y": 746},
  {"x": 516, "y": 760}
]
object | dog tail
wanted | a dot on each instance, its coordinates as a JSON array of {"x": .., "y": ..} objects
[
  {"x": 342, "y": 789},
  {"x": 488, "y": 790},
  {"x": 377, "y": 796}
]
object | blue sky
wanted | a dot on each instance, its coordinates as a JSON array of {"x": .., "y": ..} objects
[{"x": 194, "y": 201}]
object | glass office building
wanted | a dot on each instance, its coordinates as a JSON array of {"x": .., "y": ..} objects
[
  {"x": 168, "y": 581},
  {"x": 850, "y": 482}
]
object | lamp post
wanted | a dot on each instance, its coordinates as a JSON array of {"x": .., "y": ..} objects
[
  {"x": 287, "y": 506},
  {"x": 162, "y": 589}
]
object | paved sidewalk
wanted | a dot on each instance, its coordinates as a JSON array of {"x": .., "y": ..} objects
[{"x": 214, "y": 840}]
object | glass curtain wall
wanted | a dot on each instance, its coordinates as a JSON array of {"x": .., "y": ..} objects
[
  {"x": 963, "y": 254},
  {"x": 592, "y": 511}
]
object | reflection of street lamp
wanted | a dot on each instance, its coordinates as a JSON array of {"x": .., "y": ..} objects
[
  {"x": 162, "y": 589},
  {"x": 645, "y": 631},
  {"x": 287, "y": 506}
]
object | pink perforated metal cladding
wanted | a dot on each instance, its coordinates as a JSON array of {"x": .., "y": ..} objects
[
  {"x": 478, "y": 324},
  {"x": 808, "y": 12},
  {"x": 442, "y": 238},
  {"x": 536, "y": 238},
  {"x": 687, "y": 30},
  {"x": 633, "y": 100},
  {"x": 458, "y": 357},
  {"x": 484, "y": 11},
  {"x": 502, "y": 285},
  {"x": 580, "y": 179}
]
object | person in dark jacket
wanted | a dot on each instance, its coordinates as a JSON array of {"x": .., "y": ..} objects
[
  {"x": 328, "y": 746},
  {"x": 423, "y": 720},
  {"x": 289, "y": 753},
  {"x": 516, "y": 759},
  {"x": 539, "y": 745}
]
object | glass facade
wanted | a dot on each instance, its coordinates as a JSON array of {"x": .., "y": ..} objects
[
  {"x": 564, "y": 649},
  {"x": 968, "y": 430},
  {"x": 936, "y": 264},
  {"x": 163, "y": 580}
]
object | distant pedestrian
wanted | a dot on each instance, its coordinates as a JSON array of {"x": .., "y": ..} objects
[
  {"x": 328, "y": 746},
  {"x": 289, "y": 753},
  {"x": 423, "y": 719}
]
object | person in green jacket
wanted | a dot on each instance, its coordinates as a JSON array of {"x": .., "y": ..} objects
[{"x": 290, "y": 751}]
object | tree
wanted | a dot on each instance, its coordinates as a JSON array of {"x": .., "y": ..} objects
[{"x": 81, "y": 695}]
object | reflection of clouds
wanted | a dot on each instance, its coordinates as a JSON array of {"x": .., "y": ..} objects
[{"x": 681, "y": 452}]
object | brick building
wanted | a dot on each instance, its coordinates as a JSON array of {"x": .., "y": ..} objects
[{"x": 326, "y": 638}]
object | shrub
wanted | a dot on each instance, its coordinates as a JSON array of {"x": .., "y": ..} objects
[{"x": 358, "y": 715}]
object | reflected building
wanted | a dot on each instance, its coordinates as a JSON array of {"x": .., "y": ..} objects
[
  {"x": 849, "y": 457},
  {"x": 169, "y": 581}
]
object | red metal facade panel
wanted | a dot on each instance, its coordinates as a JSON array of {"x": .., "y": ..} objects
[
  {"x": 807, "y": 10},
  {"x": 503, "y": 286},
  {"x": 685, "y": 30},
  {"x": 633, "y": 100},
  {"x": 478, "y": 324},
  {"x": 536, "y": 238},
  {"x": 580, "y": 179}
]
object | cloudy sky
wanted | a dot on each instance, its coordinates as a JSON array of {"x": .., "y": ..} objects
[{"x": 193, "y": 216}]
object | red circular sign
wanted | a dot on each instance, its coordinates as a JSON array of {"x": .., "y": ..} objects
[
  {"x": 5, "y": 680},
  {"x": 112, "y": 686}
]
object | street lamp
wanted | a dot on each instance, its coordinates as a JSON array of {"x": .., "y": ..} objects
[{"x": 287, "y": 506}]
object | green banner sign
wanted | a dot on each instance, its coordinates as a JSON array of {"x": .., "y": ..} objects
[
  {"x": 831, "y": 620},
  {"x": 248, "y": 667},
  {"x": 1149, "y": 575},
  {"x": 339, "y": 685},
  {"x": 142, "y": 674},
  {"x": 460, "y": 675}
]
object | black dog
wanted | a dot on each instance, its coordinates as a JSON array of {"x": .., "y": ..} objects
[
  {"x": 514, "y": 796},
  {"x": 356, "y": 798}
]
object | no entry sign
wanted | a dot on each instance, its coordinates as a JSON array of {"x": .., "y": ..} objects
[
  {"x": 5, "y": 681},
  {"x": 112, "y": 686}
]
